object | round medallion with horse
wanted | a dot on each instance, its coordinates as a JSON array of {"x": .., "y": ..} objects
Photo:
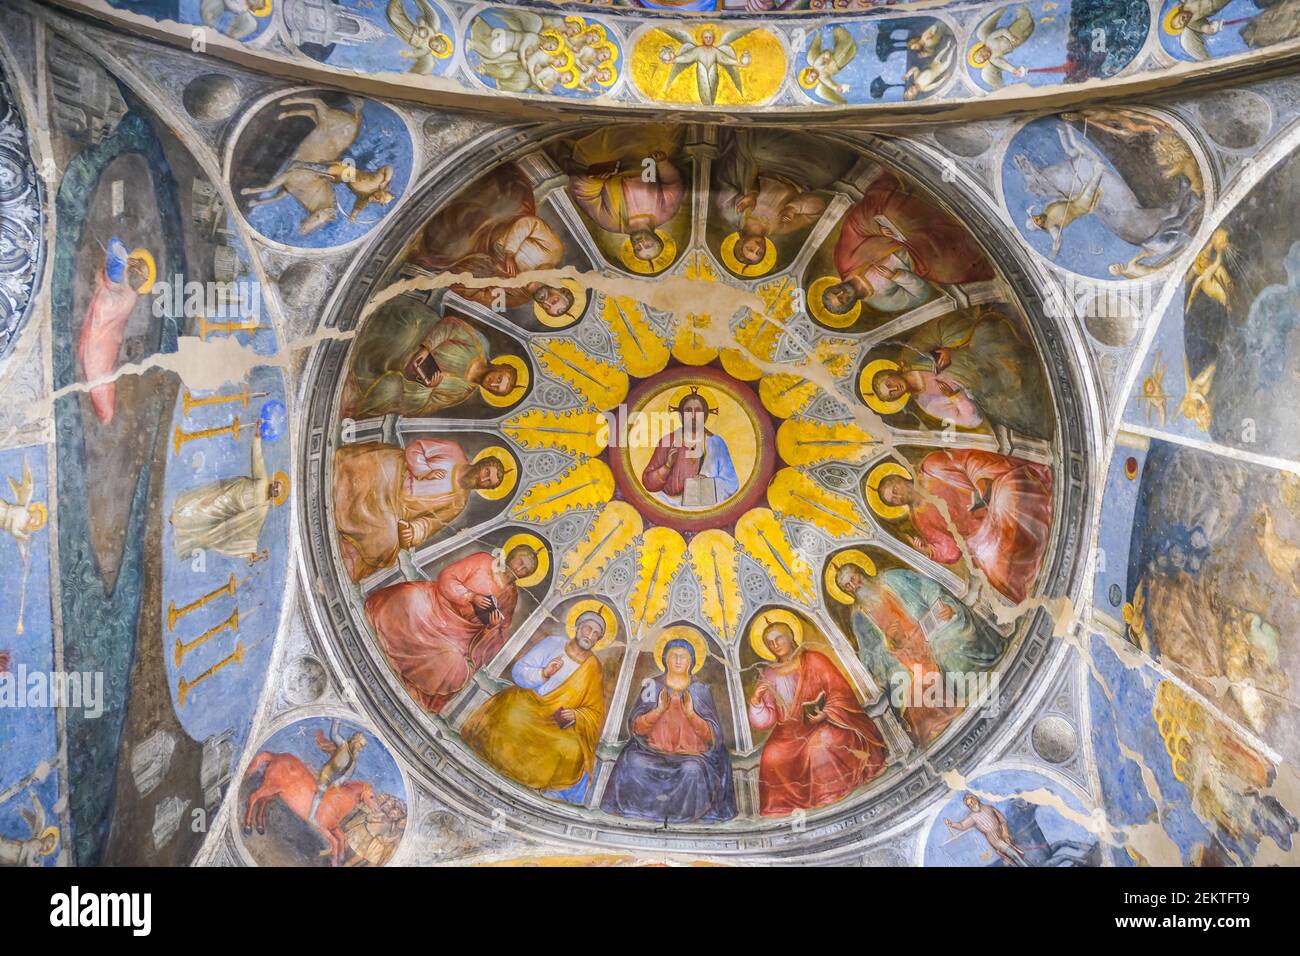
[{"x": 697, "y": 450}]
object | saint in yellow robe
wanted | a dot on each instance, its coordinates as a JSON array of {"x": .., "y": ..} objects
[{"x": 515, "y": 731}]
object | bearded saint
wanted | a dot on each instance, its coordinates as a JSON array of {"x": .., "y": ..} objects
[
  {"x": 691, "y": 467},
  {"x": 999, "y": 505},
  {"x": 822, "y": 745},
  {"x": 892, "y": 243},
  {"x": 437, "y": 634},
  {"x": 765, "y": 189},
  {"x": 970, "y": 367},
  {"x": 910, "y": 630},
  {"x": 387, "y": 497},
  {"x": 492, "y": 229},
  {"x": 226, "y": 516},
  {"x": 411, "y": 360},
  {"x": 543, "y": 732},
  {"x": 117, "y": 289},
  {"x": 609, "y": 182}
]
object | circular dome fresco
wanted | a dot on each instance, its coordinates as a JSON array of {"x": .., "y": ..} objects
[{"x": 692, "y": 488}]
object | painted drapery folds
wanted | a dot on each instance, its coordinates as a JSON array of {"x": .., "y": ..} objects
[{"x": 386, "y": 483}]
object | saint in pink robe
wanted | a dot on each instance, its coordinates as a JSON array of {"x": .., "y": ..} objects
[
  {"x": 939, "y": 248},
  {"x": 1006, "y": 538},
  {"x": 804, "y": 764},
  {"x": 110, "y": 307},
  {"x": 432, "y": 634}
]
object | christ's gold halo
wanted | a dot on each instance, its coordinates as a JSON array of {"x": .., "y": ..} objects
[
  {"x": 760, "y": 268},
  {"x": 564, "y": 319},
  {"x": 681, "y": 632},
  {"x": 521, "y": 382},
  {"x": 538, "y": 547},
  {"x": 867, "y": 380},
  {"x": 774, "y": 616},
  {"x": 509, "y": 472},
  {"x": 1170, "y": 27},
  {"x": 874, "y": 478},
  {"x": 597, "y": 607},
  {"x": 283, "y": 479},
  {"x": 851, "y": 556},
  {"x": 658, "y": 264},
  {"x": 824, "y": 315},
  {"x": 263, "y": 10},
  {"x": 145, "y": 256}
]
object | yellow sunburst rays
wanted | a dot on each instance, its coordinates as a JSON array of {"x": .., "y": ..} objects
[
  {"x": 713, "y": 558},
  {"x": 785, "y": 394},
  {"x": 598, "y": 383},
  {"x": 757, "y": 335},
  {"x": 584, "y": 485},
  {"x": 795, "y": 494},
  {"x": 581, "y": 431},
  {"x": 644, "y": 352},
  {"x": 692, "y": 344},
  {"x": 617, "y": 524},
  {"x": 802, "y": 442},
  {"x": 661, "y": 554},
  {"x": 759, "y": 532}
]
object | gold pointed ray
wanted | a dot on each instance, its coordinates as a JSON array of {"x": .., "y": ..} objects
[
  {"x": 713, "y": 558},
  {"x": 582, "y": 431},
  {"x": 802, "y": 442},
  {"x": 640, "y": 346},
  {"x": 795, "y": 494},
  {"x": 662, "y": 553},
  {"x": 582, "y": 486},
  {"x": 759, "y": 532},
  {"x": 599, "y": 384}
]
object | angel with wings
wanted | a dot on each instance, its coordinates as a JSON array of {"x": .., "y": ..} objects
[
  {"x": 22, "y": 518},
  {"x": 824, "y": 63},
  {"x": 1191, "y": 20},
  {"x": 710, "y": 55},
  {"x": 428, "y": 44},
  {"x": 240, "y": 16},
  {"x": 525, "y": 52},
  {"x": 996, "y": 42},
  {"x": 31, "y": 850}
]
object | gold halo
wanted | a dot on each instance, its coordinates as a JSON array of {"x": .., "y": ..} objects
[
  {"x": 874, "y": 478},
  {"x": 1168, "y": 22},
  {"x": 46, "y": 834},
  {"x": 606, "y": 614},
  {"x": 685, "y": 633},
  {"x": 283, "y": 496},
  {"x": 564, "y": 319},
  {"x": 42, "y": 516},
  {"x": 732, "y": 261},
  {"x": 446, "y": 40},
  {"x": 263, "y": 10},
  {"x": 776, "y": 615},
  {"x": 823, "y": 314},
  {"x": 656, "y": 265},
  {"x": 521, "y": 382},
  {"x": 539, "y": 548},
  {"x": 874, "y": 401},
  {"x": 853, "y": 556},
  {"x": 805, "y": 78},
  {"x": 970, "y": 57},
  {"x": 509, "y": 475},
  {"x": 147, "y": 256}
]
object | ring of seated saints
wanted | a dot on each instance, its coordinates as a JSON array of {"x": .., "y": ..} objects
[{"x": 633, "y": 568}]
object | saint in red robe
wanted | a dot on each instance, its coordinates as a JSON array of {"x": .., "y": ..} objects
[
  {"x": 939, "y": 248},
  {"x": 808, "y": 764},
  {"x": 1002, "y": 508},
  {"x": 431, "y": 632}
]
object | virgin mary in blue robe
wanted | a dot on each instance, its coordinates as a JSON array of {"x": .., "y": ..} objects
[{"x": 650, "y": 783}]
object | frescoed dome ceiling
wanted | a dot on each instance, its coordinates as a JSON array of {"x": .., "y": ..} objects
[{"x": 542, "y": 330}]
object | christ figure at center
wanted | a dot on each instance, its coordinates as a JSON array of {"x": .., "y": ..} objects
[{"x": 691, "y": 467}]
